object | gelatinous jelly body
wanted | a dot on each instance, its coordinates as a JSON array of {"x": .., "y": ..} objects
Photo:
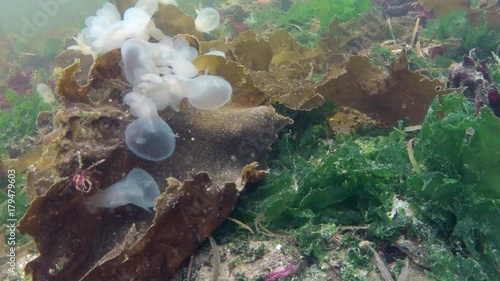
[
  {"x": 138, "y": 188},
  {"x": 150, "y": 138},
  {"x": 208, "y": 91}
]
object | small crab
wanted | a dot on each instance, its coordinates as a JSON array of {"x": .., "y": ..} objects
[
  {"x": 83, "y": 179},
  {"x": 82, "y": 182}
]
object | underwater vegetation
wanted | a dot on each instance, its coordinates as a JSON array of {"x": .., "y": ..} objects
[
  {"x": 338, "y": 131},
  {"x": 207, "y": 19},
  {"x": 357, "y": 182},
  {"x": 88, "y": 150},
  {"x": 20, "y": 82},
  {"x": 19, "y": 121}
]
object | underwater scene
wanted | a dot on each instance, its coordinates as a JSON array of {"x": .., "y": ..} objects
[{"x": 250, "y": 140}]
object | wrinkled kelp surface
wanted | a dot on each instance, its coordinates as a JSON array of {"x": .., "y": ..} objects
[{"x": 204, "y": 180}]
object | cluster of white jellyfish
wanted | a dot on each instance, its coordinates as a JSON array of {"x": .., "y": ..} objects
[{"x": 162, "y": 75}]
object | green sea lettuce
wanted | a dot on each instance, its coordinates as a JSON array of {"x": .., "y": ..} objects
[
  {"x": 460, "y": 152},
  {"x": 319, "y": 179},
  {"x": 456, "y": 24},
  {"x": 346, "y": 183},
  {"x": 20, "y": 120},
  {"x": 325, "y": 11}
]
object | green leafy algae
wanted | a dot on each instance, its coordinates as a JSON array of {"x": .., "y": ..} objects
[
  {"x": 19, "y": 120},
  {"x": 458, "y": 192},
  {"x": 308, "y": 20},
  {"x": 325, "y": 11},
  {"x": 319, "y": 180},
  {"x": 456, "y": 25},
  {"x": 15, "y": 200}
]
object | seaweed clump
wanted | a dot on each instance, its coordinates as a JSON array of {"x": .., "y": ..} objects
[{"x": 217, "y": 153}]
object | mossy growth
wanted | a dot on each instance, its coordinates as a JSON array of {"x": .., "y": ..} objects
[
  {"x": 382, "y": 56},
  {"x": 245, "y": 253},
  {"x": 19, "y": 121},
  {"x": 14, "y": 203},
  {"x": 320, "y": 181},
  {"x": 480, "y": 35},
  {"x": 240, "y": 276},
  {"x": 307, "y": 21},
  {"x": 432, "y": 68}
]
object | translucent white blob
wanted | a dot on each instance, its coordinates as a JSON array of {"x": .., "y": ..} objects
[
  {"x": 183, "y": 69},
  {"x": 161, "y": 98},
  {"x": 149, "y": 6},
  {"x": 140, "y": 105},
  {"x": 45, "y": 93},
  {"x": 138, "y": 188},
  {"x": 150, "y": 138},
  {"x": 168, "y": 2},
  {"x": 155, "y": 93},
  {"x": 99, "y": 26},
  {"x": 106, "y": 31},
  {"x": 175, "y": 88},
  {"x": 208, "y": 91},
  {"x": 135, "y": 22},
  {"x": 215, "y": 53},
  {"x": 183, "y": 50},
  {"x": 141, "y": 57},
  {"x": 137, "y": 60},
  {"x": 167, "y": 41},
  {"x": 108, "y": 12},
  {"x": 207, "y": 20}
]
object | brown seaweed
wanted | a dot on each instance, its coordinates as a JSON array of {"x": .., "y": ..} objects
[
  {"x": 443, "y": 7},
  {"x": 217, "y": 152},
  {"x": 386, "y": 97},
  {"x": 205, "y": 175},
  {"x": 172, "y": 22}
]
